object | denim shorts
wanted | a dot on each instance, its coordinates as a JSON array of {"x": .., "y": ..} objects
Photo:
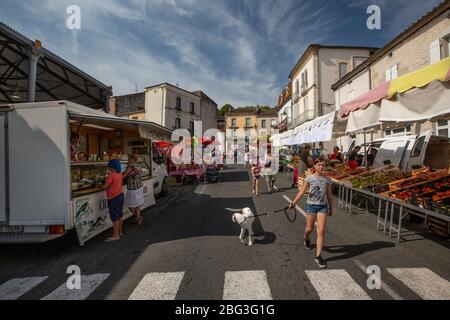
[
  {"x": 115, "y": 206},
  {"x": 316, "y": 208}
]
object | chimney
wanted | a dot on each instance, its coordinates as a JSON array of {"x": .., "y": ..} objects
[{"x": 112, "y": 106}]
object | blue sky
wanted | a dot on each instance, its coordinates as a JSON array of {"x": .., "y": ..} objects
[{"x": 236, "y": 51}]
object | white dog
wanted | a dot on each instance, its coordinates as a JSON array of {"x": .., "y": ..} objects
[{"x": 245, "y": 218}]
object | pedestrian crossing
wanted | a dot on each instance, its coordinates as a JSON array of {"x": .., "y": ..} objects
[{"x": 329, "y": 284}]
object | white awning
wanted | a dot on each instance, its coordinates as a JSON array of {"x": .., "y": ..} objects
[
  {"x": 418, "y": 104},
  {"x": 362, "y": 119},
  {"x": 317, "y": 130}
]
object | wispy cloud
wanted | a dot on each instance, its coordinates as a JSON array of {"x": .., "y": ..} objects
[{"x": 237, "y": 51}]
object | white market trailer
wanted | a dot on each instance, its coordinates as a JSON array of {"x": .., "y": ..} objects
[{"x": 37, "y": 200}]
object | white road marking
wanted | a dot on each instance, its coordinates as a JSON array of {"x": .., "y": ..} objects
[
  {"x": 158, "y": 286},
  {"x": 384, "y": 286},
  {"x": 336, "y": 285},
  {"x": 424, "y": 282},
  {"x": 88, "y": 284},
  {"x": 296, "y": 206},
  {"x": 15, "y": 288},
  {"x": 246, "y": 285}
]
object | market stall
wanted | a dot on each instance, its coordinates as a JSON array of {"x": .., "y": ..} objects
[{"x": 95, "y": 139}]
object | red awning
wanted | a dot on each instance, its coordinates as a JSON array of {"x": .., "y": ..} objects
[{"x": 365, "y": 100}]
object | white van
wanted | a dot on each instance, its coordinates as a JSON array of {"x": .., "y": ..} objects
[
  {"x": 44, "y": 192},
  {"x": 411, "y": 152}
]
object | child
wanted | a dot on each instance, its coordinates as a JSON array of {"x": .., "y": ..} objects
[
  {"x": 319, "y": 206},
  {"x": 255, "y": 175},
  {"x": 114, "y": 194}
]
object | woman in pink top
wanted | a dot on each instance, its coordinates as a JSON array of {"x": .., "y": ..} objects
[{"x": 114, "y": 194}]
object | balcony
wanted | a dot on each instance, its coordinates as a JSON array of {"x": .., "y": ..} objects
[{"x": 302, "y": 118}]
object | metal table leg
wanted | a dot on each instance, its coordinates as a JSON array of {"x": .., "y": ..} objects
[
  {"x": 350, "y": 202},
  {"x": 339, "y": 196},
  {"x": 400, "y": 218},
  {"x": 379, "y": 213},
  {"x": 391, "y": 220},
  {"x": 386, "y": 214}
]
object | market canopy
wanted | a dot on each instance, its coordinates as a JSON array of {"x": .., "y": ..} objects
[
  {"x": 89, "y": 116},
  {"x": 317, "y": 130},
  {"x": 419, "y": 104},
  {"x": 56, "y": 79},
  {"x": 439, "y": 71}
]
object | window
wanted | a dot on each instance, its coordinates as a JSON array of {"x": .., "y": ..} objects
[
  {"x": 306, "y": 103},
  {"x": 177, "y": 123},
  {"x": 247, "y": 122},
  {"x": 306, "y": 78},
  {"x": 263, "y": 123},
  {"x": 398, "y": 132},
  {"x": 233, "y": 123},
  {"x": 192, "y": 107},
  {"x": 342, "y": 69},
  {"x": 297, "y": 89},
  {"x": 350, "y": 95},
  {"x": 191, "y": 127},
  {"x": 443, "y": 128},
  {"x": 391, "y": 72},
  {"x": 134, "y": 118},
  {"x": 178, "y": 103},
  {"x": 435, "y": 51}
]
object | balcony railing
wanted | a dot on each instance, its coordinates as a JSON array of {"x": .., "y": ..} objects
[{"x": 302, "y": 118}]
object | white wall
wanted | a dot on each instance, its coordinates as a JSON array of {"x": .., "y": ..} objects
[
  {"x": 185, "y": 116},
  {"x": 154, "y": 105},
  {"x": 286, "y": 107},
  {"x": 208, "y": 114},
  {"x": 360, "y": 85},
  {"x": 329, "y": 59},
  {"x": 298, "y": 107}
]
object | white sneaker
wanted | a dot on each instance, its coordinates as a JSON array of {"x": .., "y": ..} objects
[{"x": 254, "y": 192}]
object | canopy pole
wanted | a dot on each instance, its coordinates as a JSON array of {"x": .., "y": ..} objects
[{"x": 365, "y": 151}]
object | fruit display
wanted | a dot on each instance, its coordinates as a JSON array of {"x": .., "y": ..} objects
[
  {"x": 432, "y": 195},
  {"x": 372, "y": 180}
]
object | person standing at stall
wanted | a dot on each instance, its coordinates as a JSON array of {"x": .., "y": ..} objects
[
  {"x": 352, "y": 158},
  {"x": 75, "y": 146},
  {"x": 113, "y": 186},
  {"x": 135, "y": 188},
  {"x": 337, "y": 155},
  {"x": 255, "y": 175},
  {"x": 319, "y": 206}
]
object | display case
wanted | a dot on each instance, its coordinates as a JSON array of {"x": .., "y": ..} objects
[{"x": 89, "y": 177}]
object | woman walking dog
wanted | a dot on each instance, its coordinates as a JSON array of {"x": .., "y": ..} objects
[{"x": 319, "y": 205}]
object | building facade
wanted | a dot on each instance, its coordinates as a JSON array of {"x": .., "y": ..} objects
[
  {"x": 316, "y": 71},
  {"x": 425, "y": 42},
  {"x": 169, "y": 106},
  {"x": 246, "y": 119}
]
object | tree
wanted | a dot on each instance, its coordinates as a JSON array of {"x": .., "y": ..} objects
[{"x": 224, "y": 109}]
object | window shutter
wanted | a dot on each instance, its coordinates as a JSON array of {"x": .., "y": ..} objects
[
  {"x": 435, "y": 51},
  {"x": 394, "y": 73},
  {"x": 388, "y": 75}
]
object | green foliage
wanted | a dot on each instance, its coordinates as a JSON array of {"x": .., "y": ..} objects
[{"x": 224, "y": 109}]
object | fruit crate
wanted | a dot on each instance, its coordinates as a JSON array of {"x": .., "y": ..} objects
[
  {"x": 380, "y": 189},
  {"x": 438, "y": 226},
  {"x": 440, "y": 207},
  {"x": 422, "y": 202}
]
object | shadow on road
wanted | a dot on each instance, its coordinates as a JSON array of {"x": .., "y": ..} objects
[{"x": 353, "y": 250}]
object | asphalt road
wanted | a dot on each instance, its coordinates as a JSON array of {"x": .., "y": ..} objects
[{"x": 189, "y": 249}]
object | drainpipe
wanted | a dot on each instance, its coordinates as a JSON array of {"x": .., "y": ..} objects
[
  {"x": 33, "y": 58},
  {"x": 319, "y": 96}
]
